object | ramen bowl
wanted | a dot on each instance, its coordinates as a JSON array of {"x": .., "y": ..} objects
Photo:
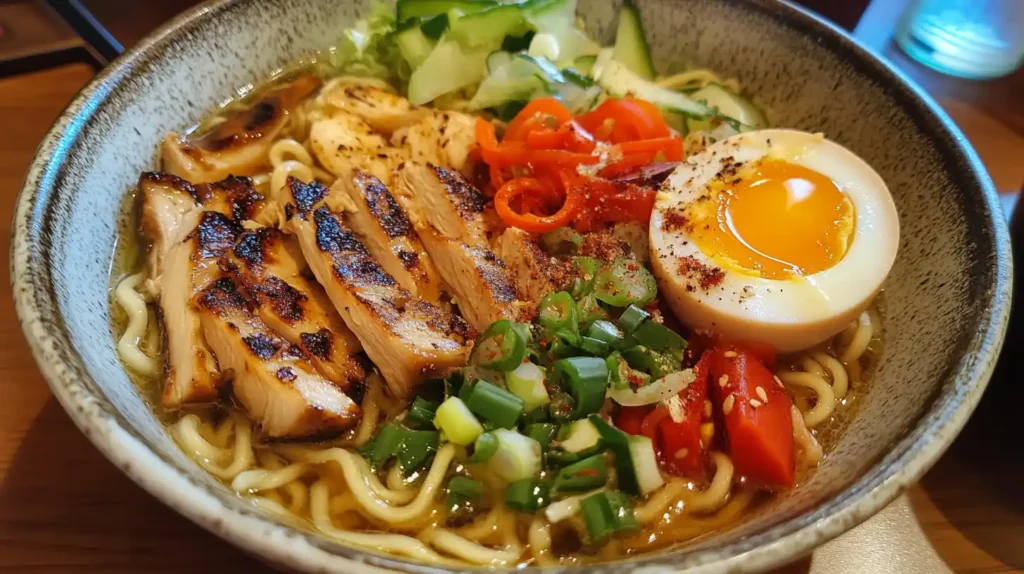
[{"x": 946, "y": 300}]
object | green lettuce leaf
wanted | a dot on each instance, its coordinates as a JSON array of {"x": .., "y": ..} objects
[{"x": 369, "y": 48}]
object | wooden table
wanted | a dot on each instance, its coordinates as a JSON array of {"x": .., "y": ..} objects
[{"x": 64, "y": 507}]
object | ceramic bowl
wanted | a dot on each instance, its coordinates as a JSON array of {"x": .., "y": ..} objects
[{"x": 947, "y": 298}]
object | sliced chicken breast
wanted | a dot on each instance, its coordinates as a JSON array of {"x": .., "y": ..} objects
[
  {"x": 382, "y": 109},
  {"x": 382, "y": 226},
  {"x": 537, "y": 274},
  {"x": 235, "y": 197},
  {"x": 442, "y": 138},
  {"x": 271, "y": 379},
  {"x": 267, "y": 266},
  {"x": 240, "y": 144},
  {"x": 409, "y": 339},
  {"x": 448, "y": 214},
  {"x": 343, "y": 143},
  {"x": 165, "y": 204},
  {"x": 189, "y": 267}
]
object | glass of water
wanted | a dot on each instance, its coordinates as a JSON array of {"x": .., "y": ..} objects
[{"x": 975, "y": 39}]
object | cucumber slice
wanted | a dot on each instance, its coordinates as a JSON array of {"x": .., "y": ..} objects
[
  {"x": 582, "y": 436},
  {"x": 414, "y": 45},
  {"x": 411, "y": 9},
  {"x": 497, "y": 60},
  {"x": 448, "y": 68},
  {"x": 645, "y": 464},
  {"x": 585, "y": 64},
  {"x": 730, "y": 105},
  {"x": 487, "y": 29},
  {"x": 557, "y": 18},
  {"x": 631, "y": 48},
  {"x": 620, "y": 82},
  {"x": 510, "y": 78}
]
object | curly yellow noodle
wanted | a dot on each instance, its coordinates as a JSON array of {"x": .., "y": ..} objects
[
  {"x": 134, "y": 306},
  {"x": 484, "y": 526},
  {"x": 808, "y": 450},
  {"x": 298, "y": 495},
  {"x": 717, "y": 493},
  {"x": 319, "y": 511},
  {"x": 186, "y": 432},
  {"x": 472, "y": 552},
  {"x": 260, "y": 479},
  {"x": 539, "y": 538},
  {"x": 860, "y": 341},
  {"x": 655, "y": 507},
  {"x": 836, "y": 370},
  {"x": 825, "y": 403}
]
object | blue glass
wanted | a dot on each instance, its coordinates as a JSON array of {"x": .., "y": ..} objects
[{"x": 967, "y": 38}]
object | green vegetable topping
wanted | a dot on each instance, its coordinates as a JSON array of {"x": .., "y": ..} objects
[
  {"x": 587, "y": 379},
  {"x": 495, "y": 404},
  {"x": 527, "y": 495},
  {"x": 484, "y": 448},
  {"x": 606, "y": 514},
  {"x": 502, "y": 346},
  {"x": 625, "y": 282}
]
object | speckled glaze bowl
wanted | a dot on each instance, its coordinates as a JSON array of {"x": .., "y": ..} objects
[{"x": 947, "y": 298}]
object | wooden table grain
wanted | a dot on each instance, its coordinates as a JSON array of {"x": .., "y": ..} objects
[{"x": 63, "y": 507}]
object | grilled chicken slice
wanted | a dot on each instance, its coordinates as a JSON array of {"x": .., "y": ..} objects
[
  {"x": 441, "y": 138},
  {"x": 271, "y": 379},
  {"x": 343, "y": 143},
  {"x": 189, "y": 267},
  {"x": 240, "y": 144},
  {"x": 267, "y": 265},
  {"x": 537, "y": 274},
  {"x": 384, "y": 229},
  {"x": 448, "y": 214},
  {"x": 382, "y": 109},
  {"x": 235, "y": 197},
  {"x": 166, "y": 204},
  {"x": 409, "y": 339}
]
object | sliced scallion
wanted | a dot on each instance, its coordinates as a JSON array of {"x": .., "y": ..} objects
[
  {"x": 417, "y": 449},
  {"x": 625, "y": 282},
  {"x": 421, "y": 413},
  {"x": 658, "y": 337},
  {"x": 517, "y": 457},
  {"x": 586, "y": 474},
  {"x": 484, "y": 448},
  {"x": 527, "y": 495},
  {"x": 458, "y": 423},
  {"x": 632, "y": 317},
  {"x": 557, "y": 314},
  {"x": 592, "y": 346},
  {"x": 605, "y": 514},
  {"x": 587, "y": 380},
  {"x": 606, "y": 331},
  {"x": 503, "y": 345},
  {"x": 527, "y": 383},
  {"x": 543, "y": 433},
  {"x": 495, "y": 404}
]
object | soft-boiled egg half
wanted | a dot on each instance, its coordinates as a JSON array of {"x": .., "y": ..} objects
[{"x": 774, "y": 236}]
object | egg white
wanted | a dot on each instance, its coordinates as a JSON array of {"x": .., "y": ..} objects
[{"x": 790, "y": 314}]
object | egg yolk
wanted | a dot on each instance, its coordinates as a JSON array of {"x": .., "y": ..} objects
[{"x": 776, "y": 220}]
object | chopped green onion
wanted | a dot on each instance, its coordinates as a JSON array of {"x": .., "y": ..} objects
[
  {"x": 606, "y": 331},
  {"x": 618, "y": 442},
  {"x": 632, "y": 317},
  {"x": 561, "y": 407},
  {"x": 622, "y": 375},
  {"x": 543, "y": 433},
  {"x": 581, "y": 436},
  {"x": 561, "y": 349},
  {"x": 495, "y": 404},
  {"x": 527, "y": 495},
  {"x": 502, "y": 346},
  {"x": 652, "y": 362},
  {"x": 557, "y": 314},
  {"x": 586, "y": 474},
  {"x": 595, "y": 347},
  {"x": 484, "y": 448},
  {"x": 421, "y": 413},
  {"x": 605, "y": 514},
  {"x": 517, "y": 457},
  {"x": 383, "y": 446},
  {"x": 625, "y": 282},
  {"x": 416, "y": 450},
  {"x": 458, "y": 423},
  {"x": 465, "y": 488},
  {"x": 527, "y": 383},
  {"x": 587, "y": 381},
  {"x": 453, "y": 383},
  {"x": 466, "y": 390},
  {"x": 586, "y": 270},
  {"x": 658, "y": 337}
]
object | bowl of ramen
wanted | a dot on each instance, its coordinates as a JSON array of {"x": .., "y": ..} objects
[{"x": 450, "y": 284}]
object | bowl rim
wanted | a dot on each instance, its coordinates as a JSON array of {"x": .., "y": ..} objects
[{"x": 906, "y": 461}]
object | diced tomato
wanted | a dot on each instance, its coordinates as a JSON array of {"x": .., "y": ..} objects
[
  {"x": 683, "y": 446},
  {"x": 756, "y": 412},
  {"x": 631, "y": 419}
]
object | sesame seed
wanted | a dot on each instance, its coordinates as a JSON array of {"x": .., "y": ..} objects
[
  {"x": 761, "y": 394},
  {"x": 728, "y": 403},
  {"x": 723, "y": 381},
  {"x": 778, "y": 381},
  {"x": 707, "y": 409},
  {"x": 730, "y": 354},
  {"x": 755, "y": 403},
  {"x": 682, "y": 453}
]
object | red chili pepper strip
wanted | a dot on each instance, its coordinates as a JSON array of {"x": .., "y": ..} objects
[{"x": 528, "y": 221}]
